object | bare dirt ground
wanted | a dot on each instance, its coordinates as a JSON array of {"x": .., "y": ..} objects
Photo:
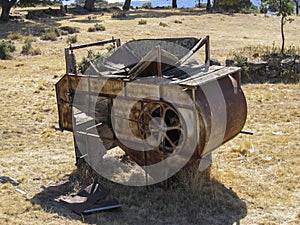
[{"x": 255, "y": 178}]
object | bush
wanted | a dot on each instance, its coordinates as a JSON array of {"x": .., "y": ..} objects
[
  {"x": 15, "y": 36},
  {"x": 111, "y": 47},
  {"x": 99, "y": 27},
  {"x": 118, "y": 15},
  {"x": 84, "y": 64},
  {"x": 147, "y": 5},
  {"x": 72, "y": 39},
  {"x": 68, "y": 30},
  {"x": 96, "y": 27},
  {"x": 177, "y": 21},
  {"x": 235, "y": 5},
  {"x": 241, "y": 61},
  {"x": 142, "y": 22},
  {"x": 36, "y": 51},
  {"x": 6, "y": 48},
  {"x": 91, "y": 29},
  {"x": 30, "y": 38},
  {"x": 27, "y": 49},
  {"x": 50, "y": 34}
]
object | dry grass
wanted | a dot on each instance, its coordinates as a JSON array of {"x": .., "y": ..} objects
[{"x": 255, "y": 179}]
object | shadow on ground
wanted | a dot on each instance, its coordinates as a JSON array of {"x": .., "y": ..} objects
[
  {"x": 26, "y": 28},
  {"x": 209, "y": 203}
]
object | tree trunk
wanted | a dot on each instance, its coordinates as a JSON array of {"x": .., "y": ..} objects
[
  {"x": 6, "y": 6},
  {"x": 297, "y": 7},
  {"x": 208, "y": 6},
  {"x": 282, "y": 35},
  {"x": 174, "y": 4},
  {"x": 216, "y": 5},
  {"x": 89, "y": 5},
  {"x": 126, "y": 5}
]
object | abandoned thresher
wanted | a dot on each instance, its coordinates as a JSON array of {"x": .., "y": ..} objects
[{"x": 155, "y": 99}]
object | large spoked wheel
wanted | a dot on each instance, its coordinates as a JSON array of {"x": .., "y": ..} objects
[{"x": 161, "y": 127}]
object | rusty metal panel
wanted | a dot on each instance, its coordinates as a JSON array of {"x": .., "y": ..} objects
[
  {"x": 175, "y": 94},
  {"x": 78, "y": 83},
  {"x": 110, "y": 86},
  {"x": 142, "y": 90},
  {"x": 64, "y": 107}
]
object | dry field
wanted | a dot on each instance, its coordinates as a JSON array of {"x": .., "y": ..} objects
[{"x": 255, "y": 179}]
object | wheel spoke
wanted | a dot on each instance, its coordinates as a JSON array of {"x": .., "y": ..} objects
[
  {"x": 178, "y": 127},
  {"x": 170, "y": 141}
]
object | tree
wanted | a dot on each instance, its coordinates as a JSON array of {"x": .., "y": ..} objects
[
  {"x": 283, "y": 8},
  {"x": 208, "y": 6},
  {"x": 6, "y": 6},
  {"x": 232, "y": 5},
  {"x": 126, "y": 5},
  {"x": 89, "y": 5},
  {"x": 216, "y": 4},
  {"x": 174, "y": 4},
  {"x": 297, "y": 6}
]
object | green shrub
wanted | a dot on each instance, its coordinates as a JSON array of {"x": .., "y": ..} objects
[
  {"x": 111, "y": 47},
  {"x": 26, "y": 48},
  {"x": 241, "y": 61},
  {"x": 142, "y": 22},
  {"x": 72, "y": 39},
  {"x": 177, "y": 21},
  {"x": 55, "y": 30},
  {"x": 84, "y": 64},
  {"x": 99, "y": 27},
  {"x": 51, "y": 34},
  {"x": 68, "y": 30},
  {"x": 91, "y": 29},
  {"x": 97, "y": 59},
  {"x": 263, "y": 7},
  {"x": 96, "y": 27},
  {"x": 6, "y": 48},
  {"x": 236, "y": 5},
  {"x": 92, "y": 17}
]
